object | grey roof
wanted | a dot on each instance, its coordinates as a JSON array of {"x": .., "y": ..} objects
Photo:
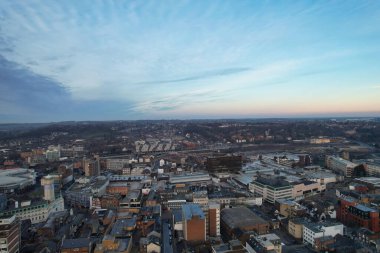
[
  {"x": 118, "y": 228},
  {"x": 276, "y": 182},
  {"x": 177, "y": 213},
  {"x": 364, "y": 208},
  {"x": 75, "y": 243},
  {"x": 240, "y": 217},
  {"x": 190, "y": 210}
]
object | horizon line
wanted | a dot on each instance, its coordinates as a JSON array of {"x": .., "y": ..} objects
[{"x": 201, "y": 119}]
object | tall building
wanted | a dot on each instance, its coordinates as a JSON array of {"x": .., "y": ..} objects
[
  {"x": 10, "y": 234},
  {"x": 48, "y": 183},
  {"x": 53, "y": 153},
  {"x": 213, "y": 219},
  {"x": 91, "y": 167},
  {"x": 219, "y": 164},
  {"x": 193, "y": 222}
]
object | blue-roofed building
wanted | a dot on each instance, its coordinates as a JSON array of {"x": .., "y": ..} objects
[{"x": 194, "y": 222}]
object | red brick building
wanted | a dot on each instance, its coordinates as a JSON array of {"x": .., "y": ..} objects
[
  {"x": 352, "y": 213},
  {"x": 213, "y": 220},
  {"x": 117, "y": 188},
  {"x": 194, "y": 223},
  {"x": 110, "y": 201}
]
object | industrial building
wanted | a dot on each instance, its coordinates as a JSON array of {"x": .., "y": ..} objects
[{"x": 241, "y": 218}]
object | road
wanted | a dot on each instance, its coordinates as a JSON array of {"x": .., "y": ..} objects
[{"x": 167, "y": 237}]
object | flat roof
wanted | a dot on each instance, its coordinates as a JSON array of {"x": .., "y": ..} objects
[
  {"x": 275, "y": 182},
  {"x": 364, "y": 208},
  {"x": 240, "y": 217},
  {"x": 190, "y": 210},
  {"x": 75, "y": 243}
]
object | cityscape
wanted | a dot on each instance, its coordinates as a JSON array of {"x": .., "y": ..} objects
[
  {"x": 279, "y": 185},
  {"x": 189, "y": 126}
]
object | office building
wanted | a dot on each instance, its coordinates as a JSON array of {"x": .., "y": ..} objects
[
  {"x": 220, "y": 164},
  {"x": 10, "y": 234},
  {"x": 91, "y": 167},
  {"x": 272, "y": 188},
  {"x": 340, "y": 165},
  {"x": 35, "y": 211},
  {"x": 81, "y": 193},
  {"x": 351, "y": 213},
  {"x": 306, "y": 188},
  {"x": 213, "y": 219}
]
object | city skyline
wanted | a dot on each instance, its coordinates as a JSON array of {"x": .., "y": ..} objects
[{"x": 125, "y": 60}]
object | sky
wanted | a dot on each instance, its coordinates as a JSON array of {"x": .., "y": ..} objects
[{"x": 126, "y": 60}]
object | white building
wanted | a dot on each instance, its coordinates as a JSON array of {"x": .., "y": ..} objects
[
  {"x": 312, "y": 231},
  {"x": 36, "y": 212}
]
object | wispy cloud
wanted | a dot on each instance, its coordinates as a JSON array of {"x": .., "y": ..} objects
[{"x": 152, "y": 57}]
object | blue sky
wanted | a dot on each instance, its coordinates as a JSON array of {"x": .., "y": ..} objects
[{"x": 106, "y": 60}]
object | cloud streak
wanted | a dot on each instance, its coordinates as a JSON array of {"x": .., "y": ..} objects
[{"x": 151, "y": 57}]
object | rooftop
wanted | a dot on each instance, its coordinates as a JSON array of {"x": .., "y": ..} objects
[
  {"x": 370, "y": 180},
  {"x": 119, "y": 228},
  {"x": 273, "y": 182},
  {"x": 76, "y": 243},
  {"x": 191, "y": 210},
  {"x": 13, "y": 177},
  {"x": 319, "y": 227},
  {"x": 365, "y": 208},
  {"x": 240, "y": 217}
]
